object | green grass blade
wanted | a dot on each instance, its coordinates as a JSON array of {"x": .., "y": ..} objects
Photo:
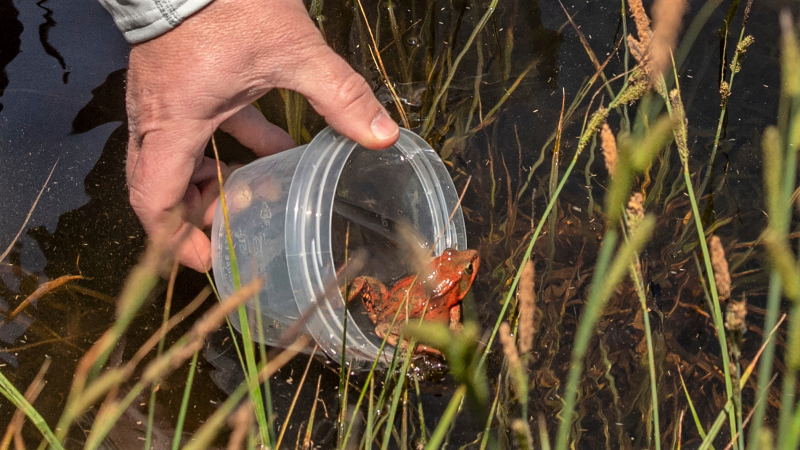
[
  {"x": 447, "y": 418},
  {"x": 608, "y": 275},
  {"x": 398, "y": 390},
  {"x": 262, "y": 351},
  {"x": 712, "y": 285},
  {"x": 422, "y": 429},
  {"x": 187, "y": 391},
  {"x": 487, "y": 428},
  {"x": 716, "y": 427},
  {"x": 9, "y": 391},
  {"x": 249, "y": 351},
  {"x": 792, "y": 438},
  {"x": 696, "y": 418},
  {"x": 651, "y": 365},
  {"x": 434, "y": 111}
]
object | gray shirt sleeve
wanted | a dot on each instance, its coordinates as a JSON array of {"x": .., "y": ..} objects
[{"x": 140, "y": 20}]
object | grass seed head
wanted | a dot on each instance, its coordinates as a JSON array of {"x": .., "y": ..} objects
[
  {"x": 724, "y": 93},
  {"x": 643, "y": 31},
  {"x": 527, "y": 308},
  {"x": 653, "y": 48},
  {"x": 638, "y": 85},
  {"x": 722, "y": 277},
  {"x": 681, "y": 123},
  {"x": 635, "y": 214},
  {"x": 741, "y": 48},
  {"x": 667, "y": 16},
  {"x": 640, "y": 48},
  {"x": 635, "y": 211},
  {"x": 735, "y": 316},
  {"x": 735, "y": 324},
  {"x": 518, "y": 379},
  {"x": 522, "y": 433},
  {"x": 609, "y": 144},
  {"x": 509, "y": 348},
  {"x": 595, "y": 122}
]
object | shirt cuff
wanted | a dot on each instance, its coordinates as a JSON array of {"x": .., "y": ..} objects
[{"x": 141, "y": 20}]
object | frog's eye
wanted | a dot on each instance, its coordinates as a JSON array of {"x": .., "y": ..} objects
[{"x": 469, "y": 269}]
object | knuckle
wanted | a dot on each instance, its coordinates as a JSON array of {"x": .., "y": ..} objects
[
  {"x": 137, "y": 199},
  {"x": 353, "y": 92}
]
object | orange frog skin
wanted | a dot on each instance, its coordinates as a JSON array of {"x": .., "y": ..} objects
[{"x": 449, "y": 278}]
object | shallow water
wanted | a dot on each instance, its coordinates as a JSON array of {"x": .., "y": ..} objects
[{"x": 64, "y": 102}]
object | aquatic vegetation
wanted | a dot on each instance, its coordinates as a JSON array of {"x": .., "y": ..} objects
[{"x": 630, "y": 322}]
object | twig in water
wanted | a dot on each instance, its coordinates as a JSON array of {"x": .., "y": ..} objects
[
  {"x": 39, "y": 292},
  {"x": 30, "y": 213}
]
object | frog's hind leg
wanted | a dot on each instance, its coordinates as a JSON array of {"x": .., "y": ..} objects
[
  {"x": 372, "y": 293},
  {"x": 392, "y": 336}
]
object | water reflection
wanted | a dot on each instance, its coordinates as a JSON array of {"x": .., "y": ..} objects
[
  {"x": 82, "y": 224},
  {"x": 10, "y": 31},
  {"x": 101, "y": 239},
  {"x": 44, "y": 38}
]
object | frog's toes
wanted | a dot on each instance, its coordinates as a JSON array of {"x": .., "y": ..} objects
[
  {"x": 391, "y": 334},
  {"x": 428, "y": 351}
]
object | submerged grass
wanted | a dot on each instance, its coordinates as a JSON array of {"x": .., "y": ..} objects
[{"x": 536, "y": 378}]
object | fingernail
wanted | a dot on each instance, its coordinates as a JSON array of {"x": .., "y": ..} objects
[{"x": 383, "y": 127}]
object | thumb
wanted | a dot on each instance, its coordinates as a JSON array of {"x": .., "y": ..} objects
[{"x": 346, "y": 101}]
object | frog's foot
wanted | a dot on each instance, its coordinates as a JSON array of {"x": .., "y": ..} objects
[
  {"x": 392, "y": 336},
  {"x": 455, "y": 319},
  {"x": 372, "y": 293}
]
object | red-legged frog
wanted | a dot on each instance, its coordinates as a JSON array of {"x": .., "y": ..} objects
[{"x": 449, "y": 278}]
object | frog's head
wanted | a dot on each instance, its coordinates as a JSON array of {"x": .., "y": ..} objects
[{"x": 459, "y": 267}]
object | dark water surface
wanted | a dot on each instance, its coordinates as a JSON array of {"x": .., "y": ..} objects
[{"x": 62, "y": 100}]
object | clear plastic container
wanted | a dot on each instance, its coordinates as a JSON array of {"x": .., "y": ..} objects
[{"x": 288, "y": 215}]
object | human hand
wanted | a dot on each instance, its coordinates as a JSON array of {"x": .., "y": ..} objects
[{"x": 204, "y": 74}]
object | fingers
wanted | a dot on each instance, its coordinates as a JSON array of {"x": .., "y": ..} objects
[
  {"x": 252, "y": 130},
  {"x": 345, "y": 99},
  {"x": 206, "y": 170},
  {"x": 194, "y": 247},
  {"x": 166, "y": 173},
  {"x": 175, "y": 98},
  {"x": 202, "y": 194},
  {"x": 195, "y": 250},
  {"x": 159, "y": 174}
]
